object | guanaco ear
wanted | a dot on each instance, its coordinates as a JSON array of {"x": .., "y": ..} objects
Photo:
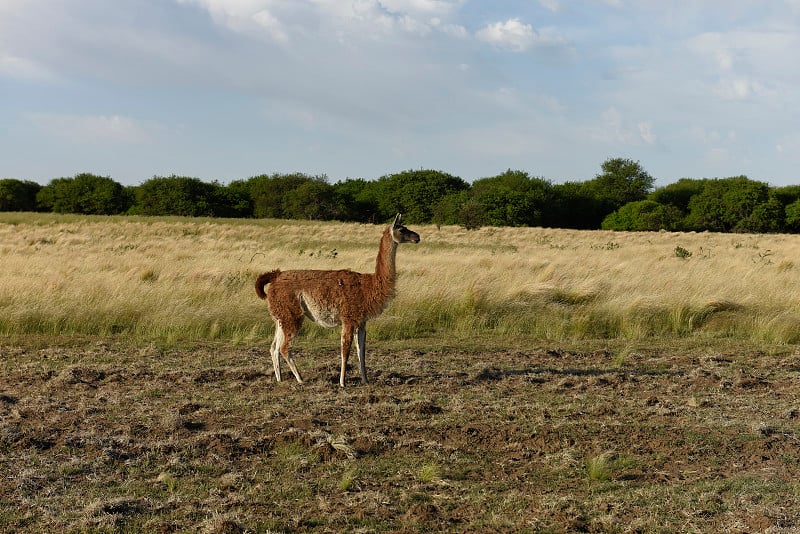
[{"x": 397, "y": 219}]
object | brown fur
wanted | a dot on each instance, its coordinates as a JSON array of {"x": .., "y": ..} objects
[{"x": 332, "y": 298}]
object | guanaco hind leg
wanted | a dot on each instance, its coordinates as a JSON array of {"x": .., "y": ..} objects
[
  {"x": 274, "y": 352},
  {"x": 282, "y": 344}
]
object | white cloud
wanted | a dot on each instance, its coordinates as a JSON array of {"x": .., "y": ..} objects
[
  {"x": 715, "y": 49},
  {"x": 245, "y": 16},
  {"x": 647, "y": 133},
  {"x": 23, "y": 69},
  {"x": 82, "y": 129},
  {"x": 521, "y": 104},
  {"x": 274, "y": 28},
  {"x": 416, "y": 70},
  {"x": 452, "y": 30},
  {"x": 512, "y": 34},
  {"x": 614, "y": 129},
  {"x": 423, "y": 7},
  {"x": 517, "y": 36},
  {"x": 283, "y": 21},
  {"x": 413, "y": 25},
  {"x": 747, "y": 65},
  {"x": 551, "y": 5},
  {"x": 757, "y": 49},
  {"x": 738, "y": 89}
]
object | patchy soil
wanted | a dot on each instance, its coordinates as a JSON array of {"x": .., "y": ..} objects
[{"x": 101, "y": 437}]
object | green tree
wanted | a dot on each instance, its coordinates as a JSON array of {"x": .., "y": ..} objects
[
  {"x": 573, "y": 205},
  {"x": 786, "y": 194},
  {"x": 450, "y": 210},
  {"x": 512, "y": 198},
  {"x": 793, "y": 216},
  {"x": 352, "y": 201},
  {"x": 18, "y": 195},
  {"x": 621, "y": 181},
  {"x": 766, "y": 217},
  {"x": 46, "y": 197},
  {"x": 85, "y": 193},
  {"x": 234, "y": 201},
  {"x": 472, "y": 214},
  {"x": 727, "y": 205},
  {"x": 644, "y": 215},
  {"x": 414, "y": 193},
  {"x": 311, "y": 200},
  {"x": 679, "y": 193},
  {"x": 268, "y": 192},
  {"x": 179, "y": 195},
  {"x": 505, "y": 208}
]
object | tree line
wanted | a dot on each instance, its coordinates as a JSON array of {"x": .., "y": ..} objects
[{"x": 621, "y": 197}]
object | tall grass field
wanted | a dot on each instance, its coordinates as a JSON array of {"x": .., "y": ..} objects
[
  {"x": 173, "y": 279},
  {"x": 522, "y": 380}
]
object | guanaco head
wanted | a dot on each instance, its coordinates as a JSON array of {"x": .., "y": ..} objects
[{"x": 401, "y": 234}]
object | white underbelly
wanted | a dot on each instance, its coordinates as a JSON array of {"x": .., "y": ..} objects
[{"x": 327, "y": 316}]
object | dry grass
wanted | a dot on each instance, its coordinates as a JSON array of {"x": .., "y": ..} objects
[
  {"x": 563, "y": 284},
  {"x": 177, "y": 279},
  {"x": 522, "y": 380}
]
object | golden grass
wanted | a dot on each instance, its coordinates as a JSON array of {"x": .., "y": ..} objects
[{"x": 173, "y": 279}]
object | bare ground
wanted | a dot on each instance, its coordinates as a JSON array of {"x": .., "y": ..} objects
[{"x": 98, "y": 436}]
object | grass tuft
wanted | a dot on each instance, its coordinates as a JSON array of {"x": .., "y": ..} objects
[
  {"x": 600, "y": 468},
  {"x": 430, "y": 472},
  {"x": 347, "y": 480}
]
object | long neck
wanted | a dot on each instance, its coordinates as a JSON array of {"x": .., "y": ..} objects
[{"x": 385, "y": 274}]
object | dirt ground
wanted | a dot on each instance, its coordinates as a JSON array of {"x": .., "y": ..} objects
[{"x": 103, "y": 437}]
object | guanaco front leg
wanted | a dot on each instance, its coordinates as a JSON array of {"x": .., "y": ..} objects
[
  {"x": 361, "y": 339},
  {"x": 347, "y": 341}
]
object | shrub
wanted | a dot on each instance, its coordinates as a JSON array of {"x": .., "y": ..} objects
[
  {"x": 643, "y": 215},
  {"x": 18, "y": 195},
  {"x": 86, "y": 194}
]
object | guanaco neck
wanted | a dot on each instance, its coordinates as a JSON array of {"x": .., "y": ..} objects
[{"x": 385, "y": 273}]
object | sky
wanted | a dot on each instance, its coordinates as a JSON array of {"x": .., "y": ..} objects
[{"x": 228, "y": 89}]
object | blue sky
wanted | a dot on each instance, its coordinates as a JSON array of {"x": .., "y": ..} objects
[{"x": 228, "y": 89}]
